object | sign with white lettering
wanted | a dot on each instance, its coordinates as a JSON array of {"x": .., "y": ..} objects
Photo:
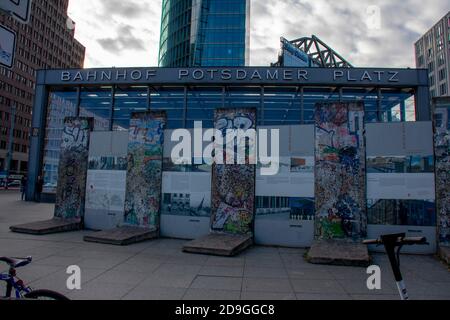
[
  {"x": 18, "y": 9},
  {"x": 239, "y": 76},
  {"x": 7, "y": 46}
]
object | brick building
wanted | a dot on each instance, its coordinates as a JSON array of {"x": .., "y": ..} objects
[{"x": 46, "y": 42}]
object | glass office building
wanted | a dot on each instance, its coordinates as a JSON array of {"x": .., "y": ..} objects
[{"x": 204, "y": 33}]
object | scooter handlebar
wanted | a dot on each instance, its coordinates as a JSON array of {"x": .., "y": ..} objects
[{"x": 401, "y": 241}]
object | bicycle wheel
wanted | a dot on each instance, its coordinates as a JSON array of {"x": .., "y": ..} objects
[{"x": 46, "y": 295}]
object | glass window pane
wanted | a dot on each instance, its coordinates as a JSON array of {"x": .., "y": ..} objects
[
  {"x": 62, "y": 103},
  {"x": 126, "y": 101},
  {"x": 367, "y": 95},
  {"x": 282, "y": 106},
  {"x": 95, "y": 102},
  {"x": 312, "y": 96},
  {"x": 244, "y": 97},
  {"x": 394, "y": 104},
  {"x": 221, "y": 33},
  {"x": 171, "y": 100},
  {"x": 201, "y": 105}
]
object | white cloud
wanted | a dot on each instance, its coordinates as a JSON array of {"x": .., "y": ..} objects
[
  {"x": 126, "y": 33},
  {"x": 117, "y": 32}
]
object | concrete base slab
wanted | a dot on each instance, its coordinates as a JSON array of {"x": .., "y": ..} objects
[
  {"x": 55, "y": 225},
  {"x": 123, "y": 236},
  {"x": 339, "y": 252},
  {"x": 219, "y": 245},
  {"x": 444, "y": 254}
]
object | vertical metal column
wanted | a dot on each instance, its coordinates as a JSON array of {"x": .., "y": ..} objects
[
  {"x": 37, "y": 136},
  {"x": 78, "y": 103},
  {"x": 379, "y": 105},
  {"x": 423, "y": 104},
  {"x": 185, "y": 107},
  {"x": 302, "y": 104},
  {"x": 149, "y": 99},
  {"x": 111, "y": 110},
  {"x": 262, "y": 106}
]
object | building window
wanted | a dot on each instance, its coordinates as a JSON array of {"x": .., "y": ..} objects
[{"x": 443, "y": 89}]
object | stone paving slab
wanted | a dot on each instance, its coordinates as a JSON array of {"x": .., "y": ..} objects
[
  {"x": 159, "y": 270},
  {"x": 46, "y": 227},
  {"x": 339, "y": 253},
  {"x": 219, "y": 245},
  {"x": 123, "y": 236}
]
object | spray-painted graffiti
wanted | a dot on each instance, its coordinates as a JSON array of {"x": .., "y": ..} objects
[
  {"x": 144, "y": 177},
  {"x": 442, "y": 150},
  {"x": 233, "y": 186},
  {"x": 340, "y": 171},
  {"x": 73, "y": 165}
]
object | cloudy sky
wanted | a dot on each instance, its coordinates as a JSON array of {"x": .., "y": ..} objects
[{"x": 367, "y": 33}]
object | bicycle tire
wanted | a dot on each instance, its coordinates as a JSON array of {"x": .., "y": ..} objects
[{"x": 52, "y": 295}]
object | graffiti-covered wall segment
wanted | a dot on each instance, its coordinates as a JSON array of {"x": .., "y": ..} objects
[
  {"x": 442, "y": 150},
  {"x": 73, "y": 165},
  {"x": 340, "y": 171},
  {"x": 144, "y": 176},
  {"x": 233, "y": 186}
]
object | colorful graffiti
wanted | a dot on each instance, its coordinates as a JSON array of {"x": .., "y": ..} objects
[
  {"x": 340, "y": 171},
  {"x": 442, "y": 150},
  {"x": 233, "y": 186},
  {"x": 73, "y": 166},
  {"x": 144, "y": 176}
]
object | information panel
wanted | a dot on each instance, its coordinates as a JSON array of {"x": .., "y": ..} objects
[
  {"x": 340, "y": 171},
  {"x": 106, "y": 180}
]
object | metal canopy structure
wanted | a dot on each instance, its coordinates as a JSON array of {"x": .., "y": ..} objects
[{"x": 322, "y": 54}]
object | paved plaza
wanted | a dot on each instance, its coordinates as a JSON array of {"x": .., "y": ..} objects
[{"x": 159, "y": 270}]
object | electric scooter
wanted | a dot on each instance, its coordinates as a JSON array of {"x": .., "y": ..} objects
[{"x": 393, "y": 244}]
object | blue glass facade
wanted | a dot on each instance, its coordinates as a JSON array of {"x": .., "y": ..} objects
[
  {"x": 204, "y": 33},
  {"x": 220, "y": 33},
  {"x": 112, "y": 106},
  {"x": 174, "y": 47}
]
